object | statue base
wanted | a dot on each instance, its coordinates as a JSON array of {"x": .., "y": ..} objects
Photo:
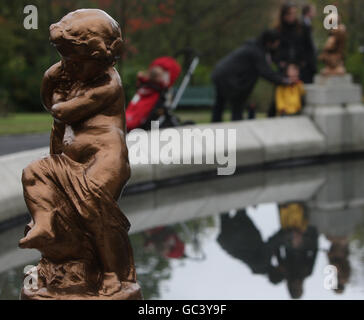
[
  {"x": 128, "y": 291},
  {"x": 333, "y": 90},
  {"x": 334, "y": 103}
]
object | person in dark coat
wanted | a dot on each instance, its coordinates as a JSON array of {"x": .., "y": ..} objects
[
  {"x": 295, "y": 40},
  {"x": 235, "y": 75},
  {"x": 295, "y": 46},
  {"x": 309, "y": 68}
]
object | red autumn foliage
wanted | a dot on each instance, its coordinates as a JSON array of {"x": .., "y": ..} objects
[
  {"x": 136, "y": 24},
  {"x": 138, "y": 21},
  {"x": 141, "y": 15}
]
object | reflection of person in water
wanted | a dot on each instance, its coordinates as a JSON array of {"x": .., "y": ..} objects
[
  {"x": 338, "y": 255},
  {"x": 241, "y": 239},
  {"x": 339, "y": 226},
  {"x": 165, "y": 241},
  {"x": 294, "y": 246}
]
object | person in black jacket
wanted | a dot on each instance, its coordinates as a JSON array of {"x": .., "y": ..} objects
[
  {"x": 309, "y": 68},
  {"x": 235, "y": 75},
  {"x": 296, "y": 44}
]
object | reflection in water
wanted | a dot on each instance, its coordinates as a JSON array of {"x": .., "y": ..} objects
[
  {"x": 287, "y": 255},
  {"x": 10, "y": 283},
  {"x": 339, "y": 257},
  {"x": 295, "y": 246},
  {"x": 165, "y": 241},
  {"x": 237, "y": 255},
  {"x": 156, "y": 248}
]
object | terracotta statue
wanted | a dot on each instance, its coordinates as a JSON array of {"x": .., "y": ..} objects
[
  {"x": 334, "y": 52},
  {"x": 72, "y": 194}
]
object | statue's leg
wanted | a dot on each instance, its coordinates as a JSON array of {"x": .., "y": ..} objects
[
  {"x": 115, "y": 253},
  {"x": 109, "y": 226},
  {"x": 37, "y": 195}
]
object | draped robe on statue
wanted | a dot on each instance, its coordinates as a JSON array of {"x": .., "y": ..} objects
[{"x": 83, "y": 218}]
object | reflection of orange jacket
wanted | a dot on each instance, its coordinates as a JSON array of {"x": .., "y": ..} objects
[
  {"x": 288, "y": 98},
  {"x": 293, "y": 216}
]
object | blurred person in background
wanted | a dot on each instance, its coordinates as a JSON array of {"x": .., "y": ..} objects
[
  {"x": 308, "y": 14},
  {"x": 235, "y": 76},
  {"x": 310, "y": 67},
  {"x": 295, "y": 41},
  {"x": 295, "y": 45},
  {"x": 289, "y": 99}
]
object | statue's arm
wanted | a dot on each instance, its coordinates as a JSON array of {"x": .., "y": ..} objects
[
  {"x": 88, "y": 104},
  {"x": 48, "y": 85},
  {"x": 47, "y": 89},
  {"x": 56, "y": 140}
]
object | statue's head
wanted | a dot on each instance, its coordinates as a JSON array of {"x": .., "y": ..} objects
[{"x": 87, "y": 34}]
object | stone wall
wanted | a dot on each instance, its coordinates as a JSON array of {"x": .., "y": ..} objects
[{"x": 258, "y": 142}]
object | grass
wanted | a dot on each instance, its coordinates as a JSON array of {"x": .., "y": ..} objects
[
  {"x": 27, "y": 123},
  {"x": 198, "y": 116},
  {"x": 204, "y": 116},
  {"x": 24, "y": 123}
]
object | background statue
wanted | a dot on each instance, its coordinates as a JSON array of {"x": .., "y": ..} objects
[
  {"x": 334, "y": 52},
  {"x": 72, "y": 194}
]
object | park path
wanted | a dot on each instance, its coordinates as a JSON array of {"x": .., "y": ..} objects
[{"x": 16, "y": 143}]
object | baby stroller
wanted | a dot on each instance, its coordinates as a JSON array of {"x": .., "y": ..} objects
[{"x": 154, "y": 99}]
